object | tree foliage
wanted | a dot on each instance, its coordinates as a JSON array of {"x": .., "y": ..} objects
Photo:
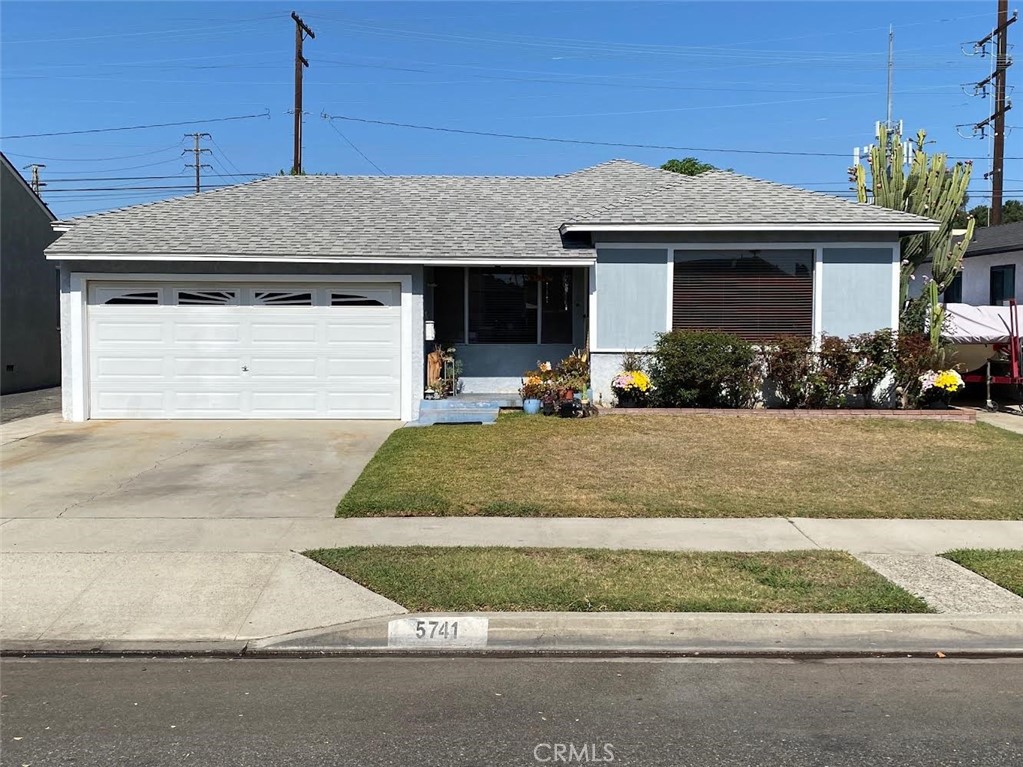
[{"x": 688, "y": 166}]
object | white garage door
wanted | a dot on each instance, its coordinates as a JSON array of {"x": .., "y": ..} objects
[{"x": 205, "y": 350}]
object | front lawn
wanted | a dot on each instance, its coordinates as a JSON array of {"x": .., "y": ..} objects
[
  {"x": 428, "y": 579},
  {"x": 1003, "y": 566},
  {"x": 694, "y": 466}
]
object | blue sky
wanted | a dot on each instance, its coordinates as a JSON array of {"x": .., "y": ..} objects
[{"x": 764, "y": 76}]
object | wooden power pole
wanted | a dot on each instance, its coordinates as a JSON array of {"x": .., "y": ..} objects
[
  {"x": 1001, "y": 107},
  {"x": 999, "y": 36},
  {"x": 197, "y": 151},
  {"x": 301, "y": 30}
]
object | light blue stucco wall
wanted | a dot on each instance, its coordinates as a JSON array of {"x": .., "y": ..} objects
[
  {"x": 857, "y": 290},
  {"x": 498, "y": 368},
  {"x": 632, "y": 297}
]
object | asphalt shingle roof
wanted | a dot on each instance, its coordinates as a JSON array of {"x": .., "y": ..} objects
[
  {"x": 996, "y": 239},
  {"x": 444, "y": 217}
]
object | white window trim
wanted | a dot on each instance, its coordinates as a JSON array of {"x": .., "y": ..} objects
[{"x": 78, "y": 297}]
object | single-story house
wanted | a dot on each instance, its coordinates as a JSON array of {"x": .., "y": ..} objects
[
  {"x": 29, "y": 306},
  {"x": 314, "y": 296},
  {"x": 992, "y": 268}
]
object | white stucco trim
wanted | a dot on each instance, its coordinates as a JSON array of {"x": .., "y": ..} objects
[
  {"x": 355, "y": 260},
  {"x": 79, "y": 305},
  {"x": 928, "y": 226},
  {"x": 670, "y": 303},
  {"x": 816, "y": 323},
  {"x": 592, "y": 319},
  {"x": 896, "y": 285}
]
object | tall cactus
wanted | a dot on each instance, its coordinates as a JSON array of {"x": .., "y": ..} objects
[{"x": 930, "y": 188}]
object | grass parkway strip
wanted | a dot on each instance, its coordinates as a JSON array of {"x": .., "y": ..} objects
[
  {"x": 649, "y": 466},
  {"x": 1002, "y": 566},
  {"x": 427, "y": 579}
]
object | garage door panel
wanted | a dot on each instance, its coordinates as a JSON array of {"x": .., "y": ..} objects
[
  {"x": 107, "y": 368},
  {"x": 291, "y": 367},
  {"x": 361, "y": 331},
  {"x": 295, "y": 331},
  {"x": 210, "y": 367},
  {"x": 226, "y": 331},
  {"x": 206, "y": 401},
  {"x": 363, "y": 369},
  {"x": 124, "y": 330},
  {"x": 337, "y": 358},
  {"x": 111, "y": 403}
]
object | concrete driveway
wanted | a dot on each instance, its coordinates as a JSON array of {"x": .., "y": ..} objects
[
  {"x": 186, "y": 469},
  {"x": 150, "y": 531}
]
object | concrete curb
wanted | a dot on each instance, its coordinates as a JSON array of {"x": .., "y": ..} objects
[
  {"x": 677, "y": 633},
  {"x": 607, "y": 634}
]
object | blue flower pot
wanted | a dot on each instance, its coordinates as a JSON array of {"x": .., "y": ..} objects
[{"x": 531, "y": 406}]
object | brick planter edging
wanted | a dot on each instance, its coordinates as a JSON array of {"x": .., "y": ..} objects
[{"x": 962, "y": 416}]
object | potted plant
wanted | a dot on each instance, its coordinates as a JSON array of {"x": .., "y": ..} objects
[
  {"x": 937, "y": 388},
  {"x": 532, "y": 393},
  {"x": 631, "y": 388}
]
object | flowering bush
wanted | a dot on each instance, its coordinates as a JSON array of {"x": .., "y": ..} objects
[
  {"x": 941, "y": 384},
  {"x": 631, "y": 388},
  {"x": 631, "y": 382}
]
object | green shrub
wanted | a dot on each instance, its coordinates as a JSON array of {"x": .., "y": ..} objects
[
  {"x": 703, "y": 369},
  {"x": 788, "y": 364},
  {"x": 833, "y": 369},
  {"x": 914, "y": 356},
  {"x": 876, "y": 360}
]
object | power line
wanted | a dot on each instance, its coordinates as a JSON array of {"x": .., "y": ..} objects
[
  {"x": 137, "y": 127},
  {"x": 133, "y": 188},
  {"x": 94, "y": 159},
  {"x": 551, "y": 139},
  {"x": 349, "y": 142}
]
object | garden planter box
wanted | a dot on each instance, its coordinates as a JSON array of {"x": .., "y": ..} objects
[{"x": 952, "y": 414}]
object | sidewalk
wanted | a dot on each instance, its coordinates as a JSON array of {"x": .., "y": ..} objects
[
  {"x": 131, "y": 582},
  {"x": 279, "y": 535}
]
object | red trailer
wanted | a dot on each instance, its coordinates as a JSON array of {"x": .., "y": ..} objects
[{"x": 1005, "y": 365}]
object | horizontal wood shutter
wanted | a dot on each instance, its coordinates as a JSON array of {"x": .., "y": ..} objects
[{"x": 758, "y": 295}]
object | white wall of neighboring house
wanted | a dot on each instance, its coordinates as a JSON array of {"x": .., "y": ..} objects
[{"x": 977, "y": 277}]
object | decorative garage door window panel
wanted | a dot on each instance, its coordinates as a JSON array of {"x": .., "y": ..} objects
[{"x": 179, "y": 295}]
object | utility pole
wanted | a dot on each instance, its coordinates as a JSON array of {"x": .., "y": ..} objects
[
  {"x": 36, "y": 184},
  {"x": 1001, "y": 107},
  {"x": 996, "y": 120},
  {"x": 197, "y": 151},
  {"x": 301, "y": 29}
]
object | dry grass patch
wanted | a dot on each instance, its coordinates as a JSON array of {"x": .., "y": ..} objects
[
  {"x": 696, "y": 466},
  {"x": 1002, "y": 566},
  {"x": 425, "y": 579}
]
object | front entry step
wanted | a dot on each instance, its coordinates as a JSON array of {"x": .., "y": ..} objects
[{"x": 482, "y": 409}]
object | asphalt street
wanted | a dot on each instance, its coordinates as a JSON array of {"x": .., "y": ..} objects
[{"x": 368, "y": 712}]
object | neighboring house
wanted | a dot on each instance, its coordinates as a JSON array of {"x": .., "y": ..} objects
[
  {"x": 29, "y": 304},
  {"x": 308, "y": 296},
  {"x": 992, "y": 268}
]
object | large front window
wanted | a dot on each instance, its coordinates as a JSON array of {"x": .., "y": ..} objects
[
  {"x": 504, "y": 305},
  {"x": 756, "y": 294}
]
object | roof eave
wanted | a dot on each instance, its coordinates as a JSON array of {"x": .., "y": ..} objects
[
  {"x": 899, "y": 228},
  {"x": 584, "y": 258}
]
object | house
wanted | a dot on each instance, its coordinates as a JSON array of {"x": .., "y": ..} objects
[
  {"x": 29, "y": 305},
  {"x": 310, "y": 296},
  {"x": 992, "y": 268}
]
